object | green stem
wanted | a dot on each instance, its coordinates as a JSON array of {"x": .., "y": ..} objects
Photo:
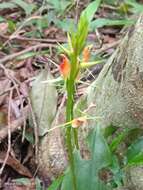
[{"x": 69, "y": 117}]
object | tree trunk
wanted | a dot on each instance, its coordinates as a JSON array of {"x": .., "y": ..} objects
[{"x": 118, "y": 92}]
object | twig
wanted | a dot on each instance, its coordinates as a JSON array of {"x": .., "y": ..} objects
[
  {"x": 106, "y": 47},
  {"x": 22, "y": 38},
  {"x": 9, "y": 134},
  {"x": 14, "y": 55}
]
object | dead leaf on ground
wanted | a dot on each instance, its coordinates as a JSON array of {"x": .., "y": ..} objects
[
  {"x": 15, "y": 164},
  {"x": 44, "y": 101},
  {"x": 4, "y": 85}
]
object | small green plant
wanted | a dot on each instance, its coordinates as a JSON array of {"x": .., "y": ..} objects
[
  {"x": 84, "y": 174},
  {"x": 70, "y": 67}
]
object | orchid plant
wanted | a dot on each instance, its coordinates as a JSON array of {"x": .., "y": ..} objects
[{"x": 70, "y": 68}]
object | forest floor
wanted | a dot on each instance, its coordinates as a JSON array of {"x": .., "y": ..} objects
[{"x": 30, "y": 32}]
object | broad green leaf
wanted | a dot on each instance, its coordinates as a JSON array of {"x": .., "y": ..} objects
[
  {"x": 135, "y": 152},
  {"x": 44, "y": 101},
  {"x": 22, "y": 181},
  {"x": 98, "y": 23},
  {"x": 136, "y": 160},
  {"x": 27, "y": 7},
  {"x": 101, "y": 155},
  {"x": 59, "y": 6},
  {"x": 56, "y": 183},
  {"x": 137, "y": 8},
  {"x": 87, "y": 170},
  {"x": 91, "y": 9},
  {"x": 85, "y": 178},
  {"x": 7, "y": 5}
]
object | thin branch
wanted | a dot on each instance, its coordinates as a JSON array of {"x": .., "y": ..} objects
[
  {"x": 42, "y": 40},
  {"x": 32, "y": 48}
]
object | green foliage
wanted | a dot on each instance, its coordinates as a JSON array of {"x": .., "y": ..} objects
[
  {"x": 27, "y": 7},
  {"x": 7, "y": 5},
  {"x": 135, "y": 7},
  {"x": 59, "y": 6},
  {"x": 87, "y": 170},
  {"x": 91, "y": 9},
  {"x": 22, "y": 181},
  {"x": 56, "y": 183},
  {"x": 98, "y": 23},
  {"x": 134, "y": 154}
]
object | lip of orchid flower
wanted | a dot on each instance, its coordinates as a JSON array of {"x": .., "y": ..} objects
[
  {"x": 78, "y": 122},
  {"x": 65, "y": 66}
]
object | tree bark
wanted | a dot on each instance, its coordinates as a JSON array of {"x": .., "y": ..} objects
[{"x": 118, "y": 92}]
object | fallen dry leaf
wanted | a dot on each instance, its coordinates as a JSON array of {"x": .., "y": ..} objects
[
  {"x": 15, "y": 164},
  {"x": 4, "y": 85}
]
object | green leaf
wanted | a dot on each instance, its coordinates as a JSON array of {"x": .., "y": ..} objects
[
  {"x": 44, "y": 101},
  {"x": 38, "y": 184},
  {"x": 101, "y": 155},
  {"x": 59, "y": 6},
  {"x": 30, "y": 54},
  {"x": 87, "y": 170},
  {"x": 22, "y": 181},
  {"x": 91, "y": 9},
  {"x": 137, "y": 8},
  {"x": 122, "y": 136},
  {"x": 27, "y": 7},
  {"x": 66, "y": 24},
  {"x": 56, "y": 183},
  {"x": 116, "y": 141},
  {"x": 29, "y": 137},
  {"x": 135, "y": 152},
  {"x": 7, "y": 5},
  {"x": 117, "y": 172},
  {"x": 136, "y": 160},
  {"x": 85, "y": 178},
  {"x": 11, "y": 26},
  {"x": 108, "y": 131},
  {"x": 98, "y": 23},
  {"x": 79, "y": 39}
]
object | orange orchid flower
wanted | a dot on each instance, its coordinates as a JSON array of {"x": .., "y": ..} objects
[
  {"x": 65, "y": 67},
  {"x": 78, "y": 122},
  {"x": 86, "y": 54}
]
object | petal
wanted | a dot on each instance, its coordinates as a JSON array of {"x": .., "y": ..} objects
[{"x": 65, "y": 67}]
